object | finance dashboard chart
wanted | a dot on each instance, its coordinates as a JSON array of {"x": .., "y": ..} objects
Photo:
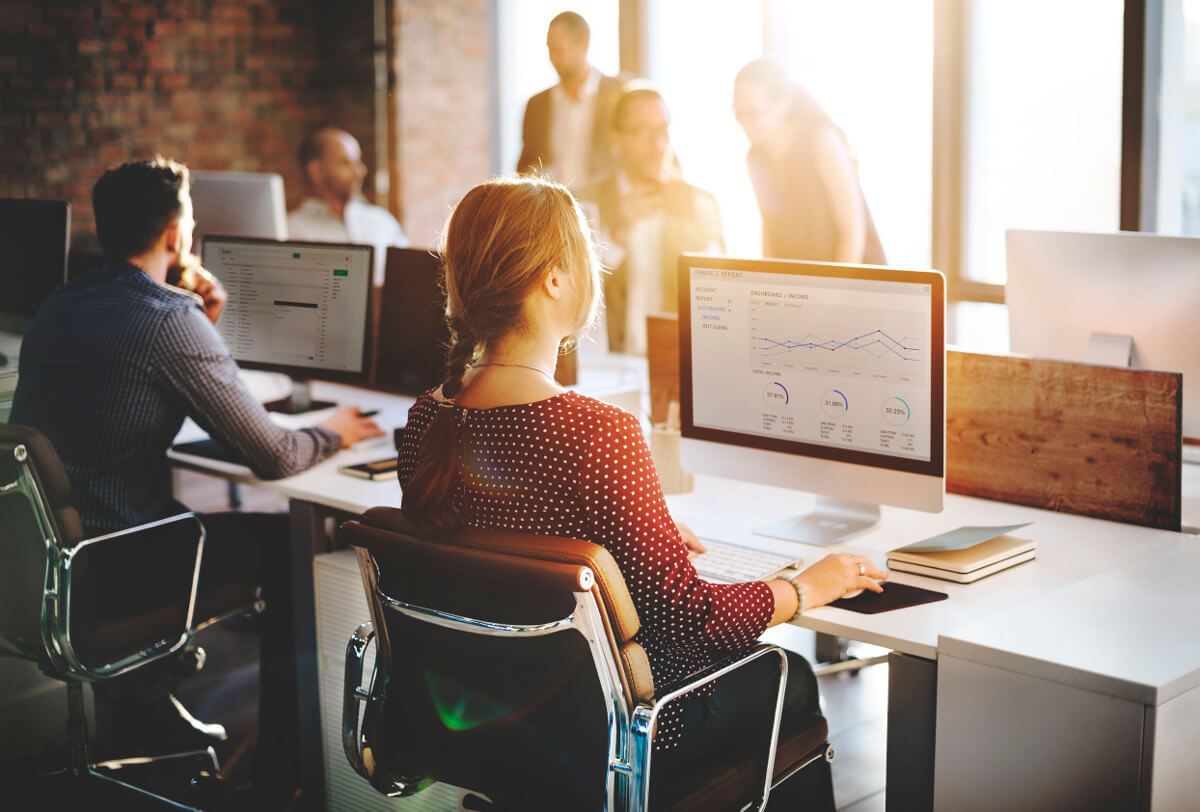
[
  {"x": 831, "y": 361},
  {"x": 291, "y": 304}
]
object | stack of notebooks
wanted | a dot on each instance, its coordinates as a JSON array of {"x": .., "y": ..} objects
[{"x": 964, "y": 555}]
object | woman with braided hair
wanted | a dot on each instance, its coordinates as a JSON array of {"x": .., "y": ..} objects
[{"x": 500, "y": 445}]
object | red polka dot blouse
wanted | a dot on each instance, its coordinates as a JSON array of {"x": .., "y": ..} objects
[{"x": 574, "y": 466}]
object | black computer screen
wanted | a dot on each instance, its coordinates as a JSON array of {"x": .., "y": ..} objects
[{"x": 34, "y": 240}]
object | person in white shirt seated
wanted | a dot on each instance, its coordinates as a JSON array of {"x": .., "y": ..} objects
[
  {"x": 645, "y": 216},
  {"x": 334, "y": 210}
]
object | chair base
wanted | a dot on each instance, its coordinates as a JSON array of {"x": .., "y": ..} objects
[{"x": 188, "y": 782}]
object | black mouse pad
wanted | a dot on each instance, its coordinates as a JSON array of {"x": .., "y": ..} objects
[{"x": 894, "y": 596}]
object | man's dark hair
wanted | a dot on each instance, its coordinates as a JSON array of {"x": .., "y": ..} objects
[
  {"x": 135, "y": 203},
  {"x": 633, "y": 94},
  {"x": 574, "y": 23}
]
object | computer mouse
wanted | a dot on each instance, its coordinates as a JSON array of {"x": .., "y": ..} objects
[{"x": 854, "y": 593}]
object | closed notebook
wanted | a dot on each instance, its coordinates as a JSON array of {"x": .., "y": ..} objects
[
  {"x": 968, "y": 559},
  {"x": 961, "y": 577}
]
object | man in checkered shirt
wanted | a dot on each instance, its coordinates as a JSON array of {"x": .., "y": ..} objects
[{"x": 112, "y": 364}]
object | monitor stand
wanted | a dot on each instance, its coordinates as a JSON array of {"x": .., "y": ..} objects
[
  {"x": 299, "y": 402},
  {"x": 831, "y": 521},
  {"x": 1109, "y": 350}
]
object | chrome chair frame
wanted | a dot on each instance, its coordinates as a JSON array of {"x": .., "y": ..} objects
[
  {"x": 631, "y": 730},
  {"x": 56, "y": 630}
]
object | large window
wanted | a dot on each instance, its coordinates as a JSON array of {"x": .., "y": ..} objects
[
  {"x": 523, "y": 66},
  {"x": 1179, "y": 143},
  {"x": 1043, "y": 136},
  {"x": 695, "y": 50},
  {"x": 869, "y": 63}
]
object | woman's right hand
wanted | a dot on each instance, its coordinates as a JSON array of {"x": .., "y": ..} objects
[{"x": 836, "y": 575}]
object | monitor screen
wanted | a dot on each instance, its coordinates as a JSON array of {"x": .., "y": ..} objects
[
  {"x": 34, "y": 239},
  {"x": 836, "y": 362},
  {"x": 295, "y": 307}
]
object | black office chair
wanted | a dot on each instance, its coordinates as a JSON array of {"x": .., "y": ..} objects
[
  {"x": 505, "y": 664},
  {"x": 90, "y": 609}
]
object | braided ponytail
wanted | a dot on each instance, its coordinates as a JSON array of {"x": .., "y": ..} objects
[
  {"x": 500, "y": 242},
  {"x": 428, "y": 493}
]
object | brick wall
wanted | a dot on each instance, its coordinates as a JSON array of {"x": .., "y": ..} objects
[
  {"x": 441, "y": 109},
  {"x": 218, "y": 84},
  {"x": 235, "y": 84}
]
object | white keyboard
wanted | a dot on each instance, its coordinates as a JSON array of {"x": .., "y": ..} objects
[{"x": 733, "y": 564}]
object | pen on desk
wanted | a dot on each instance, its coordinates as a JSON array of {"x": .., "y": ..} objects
[{"x": 369, "y": 413}]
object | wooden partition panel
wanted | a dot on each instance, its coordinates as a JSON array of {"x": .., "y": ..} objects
[
  {"x": 662, "y": 355},
  {"x": 1093, "y": 440}
]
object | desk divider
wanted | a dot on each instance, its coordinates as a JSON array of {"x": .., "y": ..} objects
[
  {"x": 662, "y": 356},
  {"x": 1093, "y": 440}
]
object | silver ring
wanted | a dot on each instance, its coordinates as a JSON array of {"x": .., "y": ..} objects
[{"x": 862, "y": 570}]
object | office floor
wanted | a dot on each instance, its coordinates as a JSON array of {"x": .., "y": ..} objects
[{"x": 854, "y": 704}]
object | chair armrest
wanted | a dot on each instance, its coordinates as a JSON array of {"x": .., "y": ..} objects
[
  {"x": 352, "y": 695},
  {"x": 112, "y": 566},
  {"x": 715, "y": 671},
  {"x": 645, "y": 714}
]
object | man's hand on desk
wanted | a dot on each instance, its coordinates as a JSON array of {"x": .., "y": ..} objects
[{"x": 352, "y": 426}]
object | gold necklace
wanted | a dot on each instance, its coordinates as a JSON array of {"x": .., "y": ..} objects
[{"x": 522, "y": 366}]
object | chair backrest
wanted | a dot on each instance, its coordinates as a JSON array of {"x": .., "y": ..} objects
[
  {"x": 32, "y": 483},
  {"x": 521, "y": 715},
  {"x": 85, "y": 609}
]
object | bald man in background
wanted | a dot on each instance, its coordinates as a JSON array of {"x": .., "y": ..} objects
[{"x": 334, "y": 210}]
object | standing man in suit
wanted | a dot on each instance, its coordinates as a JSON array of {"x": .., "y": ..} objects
[
  {"x": 566, "y": 130},
  {"x": 646, "y": 217}
]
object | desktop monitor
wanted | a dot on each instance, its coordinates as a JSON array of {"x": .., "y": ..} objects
[
  {"x": 817, "y": 377},
  {"x": 411, "y": 351},
  {"x": 1127, "y": 299},
  {"x": 296, "y": 307},
  {"x": 238, "y": 204},
  {"x": 35, "y": 236}
]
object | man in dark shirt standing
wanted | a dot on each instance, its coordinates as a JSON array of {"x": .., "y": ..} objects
[{"x": 114, "y": 362}]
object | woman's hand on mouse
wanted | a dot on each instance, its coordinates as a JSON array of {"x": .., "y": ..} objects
[{"x": 836, "y": 575}]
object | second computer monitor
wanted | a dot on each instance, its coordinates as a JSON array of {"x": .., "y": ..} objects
[
  {"x": 1066, "y": 287},
  {"x": 296, "y": 307},
  {"x": 817, "y": 377},
  {"x": 35, "y": 236},
  {"x": 413, "y": 336},
  {"x": 238, "y": 204}
]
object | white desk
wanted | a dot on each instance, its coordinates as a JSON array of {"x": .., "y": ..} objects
[
  {"x": 1085, "y": 698},
  {"x": 1074, "y": 553}
]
